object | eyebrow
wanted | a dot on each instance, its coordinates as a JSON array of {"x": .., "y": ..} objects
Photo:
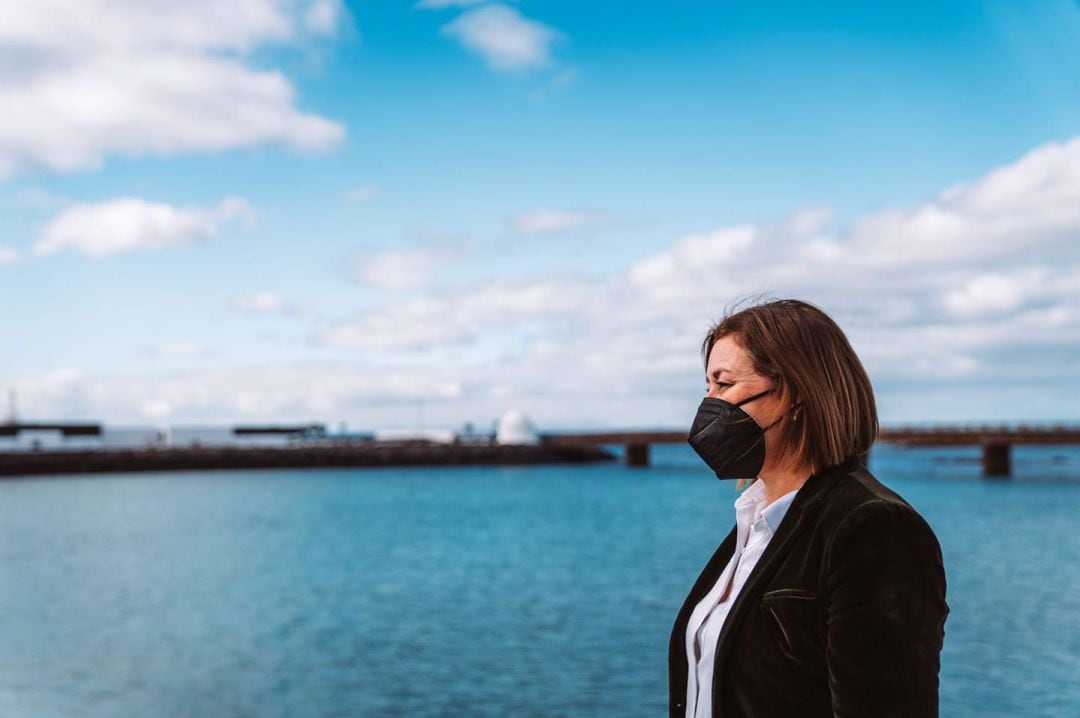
[{"x": 717, "y": 372}]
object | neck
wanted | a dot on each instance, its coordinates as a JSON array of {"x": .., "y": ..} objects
[{"x": 777, "y": 482}]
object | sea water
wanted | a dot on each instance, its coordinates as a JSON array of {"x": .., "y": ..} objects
[{"x": 527, "y": 591}]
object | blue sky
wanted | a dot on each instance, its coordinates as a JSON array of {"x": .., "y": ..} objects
[{"x": 295, "y": 210}]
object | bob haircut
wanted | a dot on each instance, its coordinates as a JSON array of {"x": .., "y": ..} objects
[{"x": 829, "y": 409}]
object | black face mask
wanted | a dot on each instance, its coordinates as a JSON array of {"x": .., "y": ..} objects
[{"x": 728, "y": 439}]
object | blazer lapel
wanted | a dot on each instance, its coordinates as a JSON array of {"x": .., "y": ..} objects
[{"x": 811, "y": 493}]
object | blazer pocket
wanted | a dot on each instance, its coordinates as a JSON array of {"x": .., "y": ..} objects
[
  {"x": 789, "y": 594},
  {"x": 796, "y": 618}
]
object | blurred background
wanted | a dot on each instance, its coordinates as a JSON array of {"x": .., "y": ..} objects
[{"x": 406, "y": 219}]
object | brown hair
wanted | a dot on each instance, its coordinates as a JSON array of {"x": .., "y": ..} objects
[{"x": 830, "y": 413}]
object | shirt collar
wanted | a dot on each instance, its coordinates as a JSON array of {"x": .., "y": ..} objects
[
  {"x": 753, "y": 499},
  {"x": 774, "y": 513}
]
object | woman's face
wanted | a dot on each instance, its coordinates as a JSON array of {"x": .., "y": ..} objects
[{"x": 730, "y": 375}]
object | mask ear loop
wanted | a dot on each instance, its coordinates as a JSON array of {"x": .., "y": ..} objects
[
  {"x": 794, "y": 414},
  {"x": 754, "y": 397},
  {"x": 749, "y": 399},
  {"x": 778, "y": 420}
]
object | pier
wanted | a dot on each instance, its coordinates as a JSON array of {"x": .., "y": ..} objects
[
  {"x": 353, "y": 454},
  {"x": 996, "y": 441}
]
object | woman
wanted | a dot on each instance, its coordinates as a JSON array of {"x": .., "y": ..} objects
[{"x": 828, "y": 596}]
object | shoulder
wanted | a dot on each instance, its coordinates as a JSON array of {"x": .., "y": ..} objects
[
  {"x": 854, "y": 494},
  {"x": 862, "y": 519},
  {"x": 859, "y": 507}
]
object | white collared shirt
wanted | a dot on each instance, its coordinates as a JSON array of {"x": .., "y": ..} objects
[{"x": 756, "y": 522}]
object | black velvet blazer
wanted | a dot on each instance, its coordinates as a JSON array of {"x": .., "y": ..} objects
[{"x": 842, "y": 616}]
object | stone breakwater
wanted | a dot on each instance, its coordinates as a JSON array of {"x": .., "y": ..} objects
[{"x": 359, "y": 454}]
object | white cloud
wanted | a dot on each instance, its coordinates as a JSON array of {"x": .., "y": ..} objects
[
  {"x": 1023, "y": 206},
  {"x": 696, "y": 267},
  {"x": 361, "y": 193},
  {"x": 985, "y": 294},
  {"x": 963, "y": 287},
  {"x": 428, "y": 321},
  {"x": 953, "y": 287},
  {"x": 262, "y": 303},
  {"x": 8, "y": 255},
  {"x": 83, "y": 81},
  {"x": 1009, "y": 223},
  {"x": 266, "y": 392},
  {"x": 178, "y": 349},
  {"x": 130, "y": 224},
  {"x": 402, "y": 270},
  {"x": 505, "y": 39},
  {"x": 323, "y": 17},
  {"x": 156, "y": 409},
  {"x": 546, "y": 221}
]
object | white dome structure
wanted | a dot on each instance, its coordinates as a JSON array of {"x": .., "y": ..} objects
[{"x": 515, "y": 428}]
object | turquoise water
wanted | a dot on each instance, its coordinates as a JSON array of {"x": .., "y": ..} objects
[{"x": 545, "y": 591}]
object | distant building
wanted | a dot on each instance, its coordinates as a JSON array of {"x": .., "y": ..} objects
[
  {"x": 435, "y": 436},
  {"x": 270, "y": 435},
  {"x": 515, "y": 428},
  {"x": 37, "y": 436}
]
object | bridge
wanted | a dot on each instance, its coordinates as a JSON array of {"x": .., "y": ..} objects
[{"x": 996, "y": 441}]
